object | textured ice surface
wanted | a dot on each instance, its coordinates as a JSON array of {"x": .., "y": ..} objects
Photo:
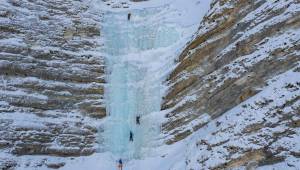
[{"x": 133, "y": 89}]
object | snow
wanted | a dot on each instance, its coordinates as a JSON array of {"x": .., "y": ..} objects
[
  {"x": 140, "y": 54},
  {"x": 13, "y": 42},
  {"x": 3, "y": 103},
  {"x": 267, "y": 46},
  {"x": 21, "y": 93},
  {"x": 252, "y": 114}
]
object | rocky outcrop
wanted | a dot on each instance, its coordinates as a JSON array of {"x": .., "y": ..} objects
[
  {"x": 51, "y": 77},
  {"x": 239, "y": 48},
  {"x": 120, "y": 4},
  {"x": 116, "y": 4}
]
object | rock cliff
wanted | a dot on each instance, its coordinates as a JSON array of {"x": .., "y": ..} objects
[
  {"x": 51, "y": 78},
  {"x": 238, "y": 83}
]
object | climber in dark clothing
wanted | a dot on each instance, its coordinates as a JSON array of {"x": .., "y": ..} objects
[
  {"x": 131, "y": 136},
  {"x": 120, "y": 166},
  {"x": 137, "y": 119},
  {"x": 128, "y": 16}
]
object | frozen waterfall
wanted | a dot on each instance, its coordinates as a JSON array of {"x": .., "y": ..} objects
[{"x": 135, "y": 51}]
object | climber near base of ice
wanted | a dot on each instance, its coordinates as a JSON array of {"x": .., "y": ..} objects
[
  {"x": 131, "y": 136},
  {"x": 137, "y": 119},
  {"x": 129, "y": 16},
  {"x": 120, "y": 165}
]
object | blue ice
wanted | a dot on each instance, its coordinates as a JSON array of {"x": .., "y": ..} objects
[{"x": 130, "y": 90}]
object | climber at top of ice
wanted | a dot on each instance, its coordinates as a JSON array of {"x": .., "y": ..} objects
[
  {"x": 128, "y": 16},
  {"x": 137, "y": 119},
  {"x": 131, "y": 136}
]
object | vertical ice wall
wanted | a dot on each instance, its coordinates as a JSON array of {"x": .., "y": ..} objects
[{"x": 133, "y": 52}]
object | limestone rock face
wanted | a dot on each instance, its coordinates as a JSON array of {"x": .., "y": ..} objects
[
  {"x": 240, "y": 73},
  {"x": 51, "y": 78}
]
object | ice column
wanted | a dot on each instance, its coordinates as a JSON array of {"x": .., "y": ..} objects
[{"x": 132, "y": 89}]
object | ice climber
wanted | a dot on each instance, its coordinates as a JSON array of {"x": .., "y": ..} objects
[
  {"x": 128, "y": 16},
  {"x": 131, "y": 136},
  {"x": 137, "y": 120},
  {"x": 120, "y": 166}
]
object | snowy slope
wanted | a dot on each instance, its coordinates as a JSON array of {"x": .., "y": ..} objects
[{"x": 234, "y": 93}]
